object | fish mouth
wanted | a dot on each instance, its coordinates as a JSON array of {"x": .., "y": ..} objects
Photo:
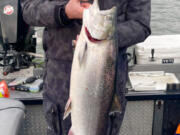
[{"x": 92, "y": 39}]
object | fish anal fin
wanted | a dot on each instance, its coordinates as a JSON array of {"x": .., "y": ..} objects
[{"x": 67, "y": 109}]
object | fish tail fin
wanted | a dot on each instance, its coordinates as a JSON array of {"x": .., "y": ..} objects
[{"x": 67, "y": 109}]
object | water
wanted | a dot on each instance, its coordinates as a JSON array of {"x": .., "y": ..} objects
[{"x": 165, "y": 17}]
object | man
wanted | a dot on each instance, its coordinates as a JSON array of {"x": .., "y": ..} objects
[
  {"x": 57, "y": 43},
  {"x": 60, "y": 19}
]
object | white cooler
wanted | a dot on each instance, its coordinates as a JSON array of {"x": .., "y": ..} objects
[{"x": 164, "y": 49}]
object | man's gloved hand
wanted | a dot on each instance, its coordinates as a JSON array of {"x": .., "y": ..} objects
[{"x": 74, "y": 9}]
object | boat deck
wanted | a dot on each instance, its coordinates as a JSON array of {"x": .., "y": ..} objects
[{"x": 34, "y": 123}]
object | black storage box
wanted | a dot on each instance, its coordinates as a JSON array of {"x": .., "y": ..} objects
[
  {"x": 13, "y": 30},
  {"x": 9, "y": 20}
]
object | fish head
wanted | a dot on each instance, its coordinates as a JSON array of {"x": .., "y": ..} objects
[{"x": 100, "y": 24}]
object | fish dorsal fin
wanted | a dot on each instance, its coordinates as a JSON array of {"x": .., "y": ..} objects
[{"x": 67, "y": 109}]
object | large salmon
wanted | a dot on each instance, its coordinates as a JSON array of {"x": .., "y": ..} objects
[{"x": 93, "y": 73}]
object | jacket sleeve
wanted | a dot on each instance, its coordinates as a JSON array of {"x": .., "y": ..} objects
[
  {"x": 44, "y": 13},
  {"x": 136, "y": 28}
]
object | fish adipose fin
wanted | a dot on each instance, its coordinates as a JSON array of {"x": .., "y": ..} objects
[{"x": 67, "y": 109}]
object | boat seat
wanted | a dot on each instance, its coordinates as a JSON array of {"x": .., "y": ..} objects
[{"x": 11, "y": 116}]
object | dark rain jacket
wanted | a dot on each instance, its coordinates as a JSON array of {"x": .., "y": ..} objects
[{"x": 133, "y": 26}]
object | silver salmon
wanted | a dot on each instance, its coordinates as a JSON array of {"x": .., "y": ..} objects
[{"x": 93, "y": 72}]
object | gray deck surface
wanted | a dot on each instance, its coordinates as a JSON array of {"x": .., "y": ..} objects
[
  {"x": 22, "y": 73},
  {"x": 34, "y": 123},
  {"x": 18, "y": 94}
]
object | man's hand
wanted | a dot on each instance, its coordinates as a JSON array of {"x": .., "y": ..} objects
[{"x": 74, "y": 9}]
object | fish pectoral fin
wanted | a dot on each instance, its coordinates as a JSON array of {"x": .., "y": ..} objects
[
  {"x": 67, "y": 109},
  {"x": 82, "y": 52},
  {"x": 116, "y": 105}
]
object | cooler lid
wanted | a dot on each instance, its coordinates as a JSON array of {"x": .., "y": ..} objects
[{"x": 162, "y": 43}]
